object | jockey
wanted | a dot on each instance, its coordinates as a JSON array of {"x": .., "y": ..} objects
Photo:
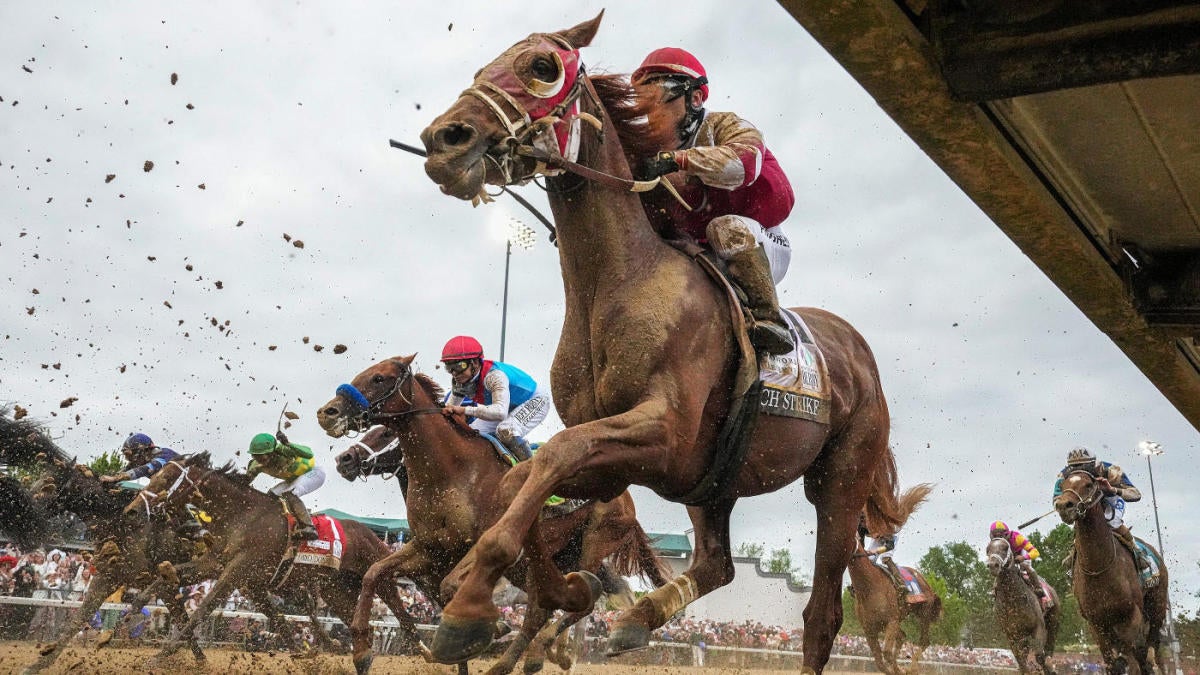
[
  {"x": 143, "y": 456},
  {"x": 300, "y": 475},
  {"x": 507, "y": 401},
  {"x": 880, "y": 553},
  {"x": 1118, "y": 491},
  {"x": 1025, "y": 552},
  {"x": 737, "y": 189}
]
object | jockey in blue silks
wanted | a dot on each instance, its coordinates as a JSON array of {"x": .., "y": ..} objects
[
  {"x": 506, "y": 401},
  {"x": 143, "y": 459}
]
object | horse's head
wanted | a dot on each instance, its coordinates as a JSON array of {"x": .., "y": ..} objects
[
  {"x": 516, "y": 100},
  {"x": 173, "y": 485},
  {"x": 1079, "y": 492},
  {"x": 377, "y": 452},
  {"x": 383, "y": 391},
  {"x": 999, "y": 555}
]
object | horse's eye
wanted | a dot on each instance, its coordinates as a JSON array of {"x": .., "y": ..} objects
[
  {"x": 378, "y": 379},
  {"x": 544, "y": 69}
]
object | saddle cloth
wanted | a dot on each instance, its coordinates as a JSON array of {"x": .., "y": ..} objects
[
  {"x": 796, "y": 384},
  {"x": 326, "y": 549},
  {"x": 1149, "y": 576},
  {"x": 912, "y": 581},
  {"x": 1048, "y": 601}
]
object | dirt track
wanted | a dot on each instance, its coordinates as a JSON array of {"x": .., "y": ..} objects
[{"x": 16, "y": 655}]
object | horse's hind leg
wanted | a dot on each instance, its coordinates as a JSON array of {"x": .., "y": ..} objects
[
  {"x": 837, "y": 486},
  {"x": 103, "y": 584},
  {"x": 877, "y": 652},
  {"x": 712, "y": 568}
]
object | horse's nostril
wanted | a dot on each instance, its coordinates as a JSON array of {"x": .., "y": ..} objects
[
  {"x": 331, "y": 411},
  {"x": 454, "y": 134}
]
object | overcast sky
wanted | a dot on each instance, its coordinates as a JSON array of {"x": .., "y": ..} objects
[{"x": 278, "y": 125}]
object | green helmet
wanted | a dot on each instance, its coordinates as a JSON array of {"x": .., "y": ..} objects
[{"x": 262, "y": 444}]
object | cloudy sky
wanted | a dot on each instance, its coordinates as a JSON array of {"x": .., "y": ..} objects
[{"x": 266, "y": 121}]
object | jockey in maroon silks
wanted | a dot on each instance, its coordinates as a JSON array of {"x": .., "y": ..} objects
[{"x": 738, "y": 193}]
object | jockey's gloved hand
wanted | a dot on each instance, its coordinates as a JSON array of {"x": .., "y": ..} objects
[{"x": 659, "y": 165}]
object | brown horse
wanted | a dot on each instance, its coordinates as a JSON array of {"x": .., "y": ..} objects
[
  {"x": 880, "y": 609},
  {"x": 451, "y": 474},
  {"x": 127, "y": 551},
  {"x": 1028, "y": 627},
  {"x": 1126, "y": 620},
  {"x": 644, "y": 374},
  {"x": 251, "y": 537}
]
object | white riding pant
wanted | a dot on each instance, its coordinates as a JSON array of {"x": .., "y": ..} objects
[
  {"x": 730, "y": 235},
  {"x": 879, "y": 558},
  {"x": 1114, "y": 511},
  {"x": 302, "y": 484},
  {"x": 521, "y": 419}
]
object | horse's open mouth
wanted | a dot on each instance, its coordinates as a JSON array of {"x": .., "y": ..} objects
[
  {"x": 335, "y": 427},
  {"x": 464, "y": 184}
]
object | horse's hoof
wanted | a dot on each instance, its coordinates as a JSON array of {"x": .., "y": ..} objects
[
  {"x": 362, "y": 664},
  {"x": 534, "y": 667},
  {"x": 594, "y": 586},
  {"x": 47, "y": 650},
  {"x": 460, "y": 640},
  {"x": 627, "y": 637}
]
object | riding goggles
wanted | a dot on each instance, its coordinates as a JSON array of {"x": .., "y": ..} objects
[{"x": 458, "y": 367}]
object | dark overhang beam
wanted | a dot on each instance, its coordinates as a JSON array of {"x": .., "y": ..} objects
[{"x": 991, "y": 49}]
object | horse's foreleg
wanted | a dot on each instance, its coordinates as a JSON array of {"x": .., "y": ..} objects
[
  {"x": 711, "y": 568},
  {"x": 468, "y": 620},
  {"x": 103, "y": 584},
  {"x": 877, "y": 651},
  {"x": 535, "y": 618},
  {"x": 893, "y": 639},
  {"x": 410, "y": 561},
  {"x": 219, "y": 591}
]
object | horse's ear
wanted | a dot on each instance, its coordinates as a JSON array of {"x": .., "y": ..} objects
[
  {"x": 406, "y": 360},
  {"x": 581, "y": 36}
]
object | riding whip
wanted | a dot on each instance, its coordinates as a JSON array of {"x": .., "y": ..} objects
[
  {"x": 520, "y": 200},
  {"x": 1030, "y": 522}
]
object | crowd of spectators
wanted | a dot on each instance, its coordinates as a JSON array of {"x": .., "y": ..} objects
[{"x": 55, "y": 574}]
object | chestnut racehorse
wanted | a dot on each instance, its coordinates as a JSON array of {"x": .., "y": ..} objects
[
  {"x": 881, "y": 609},
  {"x": 1125, "y": 620},
  {"x": 1028, "y": 627},
  {"x": 251, "y": 536},
  {"x": 451, "y": 473},
  {"x": 644, "y": 374}
]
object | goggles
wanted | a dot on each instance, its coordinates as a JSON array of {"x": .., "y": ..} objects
[{"x": 458, "y": 367}]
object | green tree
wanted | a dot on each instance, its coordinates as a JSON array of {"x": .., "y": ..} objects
[
  {"x": 108, "y": 463},
  {"x": 750, "y": 550},
  {"x": 1053, "y": 547},
  {"x": 959, "y": 566}
]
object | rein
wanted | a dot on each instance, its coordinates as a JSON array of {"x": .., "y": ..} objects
[{"x": 523, "y": 131}]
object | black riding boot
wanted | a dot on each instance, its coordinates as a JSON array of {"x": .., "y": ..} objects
[
  {"x": 1126, "y": 538},
  {"x": 304, "y": 526},
  {"x": 518, "y": 447},
  {"x": 752, "y": 272},
  {"x": 897, "y": 580}
]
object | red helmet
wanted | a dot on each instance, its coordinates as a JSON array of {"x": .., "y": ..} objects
[
  {"x": 675, "y": 61},
  {"x": 462, "y": 347}
]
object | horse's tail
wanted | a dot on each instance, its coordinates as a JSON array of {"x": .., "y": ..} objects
[
  {"x": 20, "y": 515},
  {"x": 636, "y": 557},
  {"x": 887, "y": 509}
]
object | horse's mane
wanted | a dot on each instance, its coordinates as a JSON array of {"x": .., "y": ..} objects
[
  {"x": 431, "y": 387},
  {"x": 638, "y": 137},
  {"x": 228, "y": 469}
]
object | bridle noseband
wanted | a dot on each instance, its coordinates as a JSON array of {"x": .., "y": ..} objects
[
  {"x": 1006, "y": 561},
  {"x": 373, "y": 457},
  {"x": 1084, "y": 504}
]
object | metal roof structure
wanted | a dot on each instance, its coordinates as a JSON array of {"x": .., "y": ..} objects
[{"x": 1075, "y": 126}]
